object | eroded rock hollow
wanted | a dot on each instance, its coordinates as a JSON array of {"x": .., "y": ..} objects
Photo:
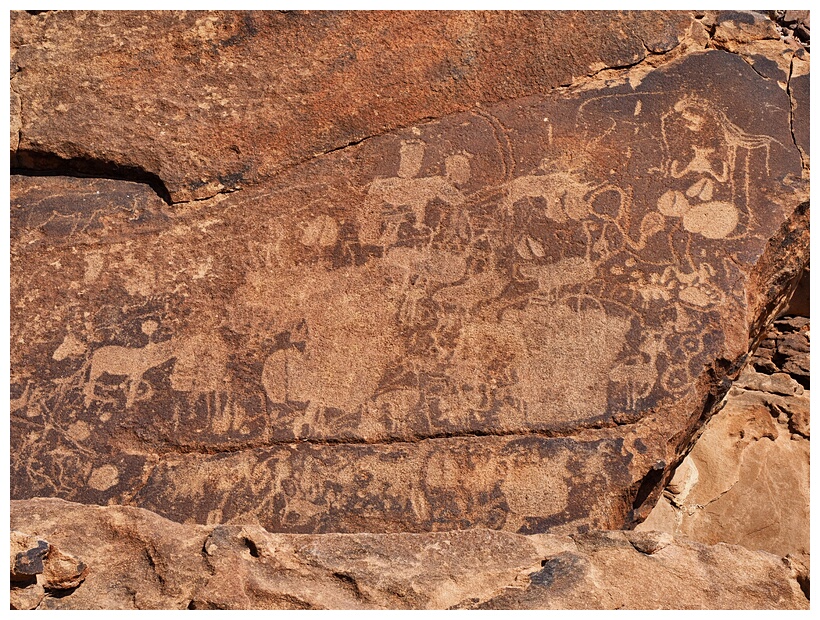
[{"x": 391, "y": 273}]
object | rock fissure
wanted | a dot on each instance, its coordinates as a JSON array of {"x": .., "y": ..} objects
[
  {"x": 581, "y": 433},
  {"x": 791, "y": 111},
  {"x": 223, "y": 192},
  {"x": 421, "y": 312},
  {"x": 32, "y": 163}
]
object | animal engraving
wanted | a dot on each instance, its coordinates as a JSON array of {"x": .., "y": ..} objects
[
  {"x": 639, "y": 377},
  {"x": 589, "y": 343},
  {"x": 553, "y": 277},
  {"x": 131, "y": 363},
  {"x": 386, "y": 197},
  {"x": 710, "y": 165},
  {"x": 341, "y": 315},
  {"x": 563, "y": 194}
]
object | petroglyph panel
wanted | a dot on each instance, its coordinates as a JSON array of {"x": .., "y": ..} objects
[
  {"x": 53, "y": 211},
  {"x": 212, "y": 100},
  {"x": 543, "y": 267},
  {"x": 515, "y": 484}
]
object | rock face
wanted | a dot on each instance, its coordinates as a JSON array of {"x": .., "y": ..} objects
[
  {"x": 211, "y": 101},
  {"x": 393, "y": 274},
  {"x": 137, "y": 560},
  {"x": 746, "y": 481},
  {"x": 501, "y": 318}
]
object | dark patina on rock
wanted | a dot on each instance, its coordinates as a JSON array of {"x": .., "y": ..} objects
[
  {"x": 511, "y": 317},
  {"x": 210, "y": 101}
]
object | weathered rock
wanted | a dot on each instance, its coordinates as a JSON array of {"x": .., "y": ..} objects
[
  {"x": 793, "y": 350},
  {"x": 26, "y": 596},
  {"x": 733, "y": 27},
  {"x": 26, "y": 556},
  {"x": 512, "y": 317},
  {"x": 746, "y": 481},
  {"x": 785, "y": 351},
  {"x": 799, "y": 92},
  {"x": 138, "y": 560},
  {"x": 759, "y": 41},
  {"x": 63, "y": 571},
  {"x": 608, "y": 570},
  {"x": 15, "y": 126},
  {"x": 777, "y": 383},
  {"x": 38, "y": 569},
  {"x": 210, "y": 101},
  {"x": 794, "y": 24}
]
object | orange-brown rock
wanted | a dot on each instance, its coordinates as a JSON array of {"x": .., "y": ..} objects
[
  {"x": 39, "y": 570},
  {"x": 746, "y": 480},
  {"x": 210, "y": 101},
  {"x": 512, "y": 315},
  {"x": 138, "y": 560}
]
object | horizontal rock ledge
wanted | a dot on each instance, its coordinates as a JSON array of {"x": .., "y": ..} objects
[{"x": 134, "y": 559}]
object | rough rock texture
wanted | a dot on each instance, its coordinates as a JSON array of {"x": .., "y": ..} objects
[
  {"x": 435, "y": 298},
  {"x": 746, "y": 481},
  {"x": 38, "y": 569},
  {"x": 515, "y": 315},
  {"x": 794, "y": 24},
  {"x": 801, "y": 300},
  {"x": 138, "y": 560},
  {"x": 210, "y": 101},
  {"x": 207, "y": 102}
]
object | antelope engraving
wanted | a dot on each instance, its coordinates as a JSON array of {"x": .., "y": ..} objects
[
  {"x": 128, "y": 362},
  {"x": 553, "y": 277}
]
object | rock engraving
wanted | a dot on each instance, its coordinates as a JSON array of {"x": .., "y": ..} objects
[{"x": 504, "y": 317}]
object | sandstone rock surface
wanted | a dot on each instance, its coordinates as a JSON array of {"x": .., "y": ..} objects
[
  {"x": 138, "y": 560},
  {"x": 211, "y": 101},
  {"x": 437, "y": 290},
  {"x": 746, "y": 481},
  {"x": 38, "y": 569},
  {"x": 498, "y": 318}
]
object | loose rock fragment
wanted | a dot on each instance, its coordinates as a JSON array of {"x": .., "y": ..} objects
[{"x": 38, "y": 569}]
